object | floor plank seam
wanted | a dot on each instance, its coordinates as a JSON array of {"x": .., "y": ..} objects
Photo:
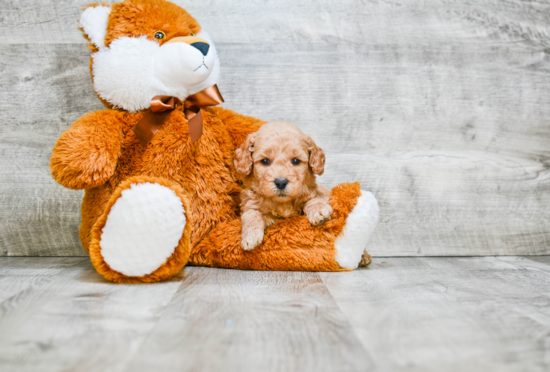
[
  {"x": 371, "y": 358},
  {"x": 153, "y": 327}
]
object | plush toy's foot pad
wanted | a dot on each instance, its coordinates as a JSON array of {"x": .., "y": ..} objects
[
  {"x": 142, "y": 230},
  {"x": 360, "y": 225}
]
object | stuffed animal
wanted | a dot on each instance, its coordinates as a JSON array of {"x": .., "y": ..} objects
[{"x": 161, "y": 189}]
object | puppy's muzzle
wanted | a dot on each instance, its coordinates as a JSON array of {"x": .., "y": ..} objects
[{"x": 281, "y": 183}]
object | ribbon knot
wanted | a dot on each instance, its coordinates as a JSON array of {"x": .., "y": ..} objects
[{"x": 162, "y": 106}]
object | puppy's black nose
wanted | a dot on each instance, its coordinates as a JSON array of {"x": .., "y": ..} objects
[
  {"x": 203, "y": 47},
  {"x": 281, "y": 183}
]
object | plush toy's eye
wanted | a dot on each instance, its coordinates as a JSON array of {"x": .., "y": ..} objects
[
  {"x": 160, "y": 35},
  {"x": 265, "y": 161},
  {"x": 296, "y": 161},
  {"x": 191, "y": 34}
]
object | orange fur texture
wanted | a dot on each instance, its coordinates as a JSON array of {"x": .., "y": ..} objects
[
  {"x": 279, "y": 152},
  {"x": 101, "y": 154}
]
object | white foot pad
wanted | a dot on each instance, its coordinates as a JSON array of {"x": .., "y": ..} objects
[
  {"x": 143, "y": 229},
  {"x": 360, "y": 225}
]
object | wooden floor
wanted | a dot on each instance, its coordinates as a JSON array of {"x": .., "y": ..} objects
[{"x": 414, "y": 314}]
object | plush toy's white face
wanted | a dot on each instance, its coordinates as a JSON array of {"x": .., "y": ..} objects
[{"x": 131, "y": 70}]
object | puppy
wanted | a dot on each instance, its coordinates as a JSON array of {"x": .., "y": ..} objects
[{"x": 278, "y": 164}]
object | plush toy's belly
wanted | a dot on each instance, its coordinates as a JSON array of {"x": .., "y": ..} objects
[{"x": 204, "y": 170}]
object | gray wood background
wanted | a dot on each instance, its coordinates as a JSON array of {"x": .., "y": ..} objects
[{"x": 441, "y": 108}]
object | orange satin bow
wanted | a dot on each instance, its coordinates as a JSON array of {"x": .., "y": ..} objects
[{"x": 162, "y": 106}]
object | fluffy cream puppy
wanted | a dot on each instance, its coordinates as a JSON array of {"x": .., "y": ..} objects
[{"x": 279, "y": 163}]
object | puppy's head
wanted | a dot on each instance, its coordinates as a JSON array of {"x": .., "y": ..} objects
[{"x": 280, "y": 161}]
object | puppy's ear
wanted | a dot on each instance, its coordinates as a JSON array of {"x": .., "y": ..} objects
[
  {"x": 243, "y": 155},
  {"x": 316, "y": 157}
]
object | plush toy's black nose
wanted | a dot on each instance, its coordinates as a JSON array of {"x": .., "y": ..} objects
[
  {"x": 281, "y": 183},
  {"x": 203, "y": 47}
]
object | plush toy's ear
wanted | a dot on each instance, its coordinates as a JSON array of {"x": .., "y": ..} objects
[
  {"x": 243, "y": 155},
  {"x": 94, "y": 23},
  {"x": 316, "y": 157}
]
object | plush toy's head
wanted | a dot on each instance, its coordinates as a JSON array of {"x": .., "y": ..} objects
[{"x": 145, "y": 48}]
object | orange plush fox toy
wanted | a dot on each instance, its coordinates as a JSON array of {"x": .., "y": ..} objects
[{"x": 157, "y": 165}]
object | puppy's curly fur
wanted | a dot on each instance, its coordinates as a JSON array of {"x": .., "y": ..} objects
[{"x": 278, "y": 164}]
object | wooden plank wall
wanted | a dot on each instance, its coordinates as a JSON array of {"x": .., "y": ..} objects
[{"x": 440, "y": 107}]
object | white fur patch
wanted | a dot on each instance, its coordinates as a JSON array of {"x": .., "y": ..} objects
[
  {"x": 143, "y": 229},
  {"x": 360, "y": 225},
  {"x": 124, "y": 73},
  {"x": 94, "y": 22}
]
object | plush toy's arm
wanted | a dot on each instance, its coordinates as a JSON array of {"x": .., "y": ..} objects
[
  {"x": 86, "y": 154},
  {"x": 238, "y": 126}
]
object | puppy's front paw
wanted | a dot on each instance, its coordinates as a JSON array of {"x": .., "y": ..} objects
[
  {"x": 252, "y": 238},
  {"x": 318, "y": 213}
]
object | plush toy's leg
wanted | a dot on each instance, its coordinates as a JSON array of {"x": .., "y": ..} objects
[
  {"x": 294, "y": 244},
  {"x": 360, "y": 225},
  {"x": 144, "y": 232}
]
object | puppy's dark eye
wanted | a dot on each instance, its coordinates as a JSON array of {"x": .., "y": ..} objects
[
  {"x": 296, "y": 161},
  {"x": 191, "y": 34},
  {"x": 265, "y": 161},
  {"x": 160, "y": 35}
]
